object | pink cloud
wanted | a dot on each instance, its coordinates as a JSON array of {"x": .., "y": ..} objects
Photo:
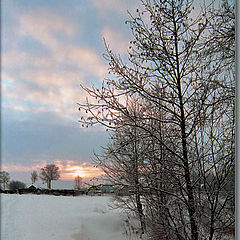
[
  {"x": 55, "y": 101},
  {"x": 19, "y": 58},
  {"x": 58, "y": 92},
  {"x": 69, "y": 169},
  {"x": 43, "y": 25},
  {"x": 86, "y": 59},
  {"x": 21, "y": 168},
  {"x": 51, "y": 78},
  {"x": 117, "y": 40},
  {"x": 118, "y": 6},
  {"x": 43, "y": 82}
]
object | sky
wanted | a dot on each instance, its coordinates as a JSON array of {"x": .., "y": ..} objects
[{"x": 48, "y": 49}]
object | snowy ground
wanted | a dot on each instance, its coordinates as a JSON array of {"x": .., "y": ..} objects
[{"x": 38, "y": 217}]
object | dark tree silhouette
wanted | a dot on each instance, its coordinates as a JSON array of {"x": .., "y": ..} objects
[
  {"x": 4, "y": 179},
  {"x": 78, "y": 182},
  {"x": 34, "y": 176},
  {"x": 48, "y": 173},
  {"x": 13, "y": 185}
]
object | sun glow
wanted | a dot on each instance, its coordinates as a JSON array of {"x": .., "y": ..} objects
[
  {"x": 68, "y": 169},
  {"x": 71, "y": 169},
  {"x": 79, "y": 173}
]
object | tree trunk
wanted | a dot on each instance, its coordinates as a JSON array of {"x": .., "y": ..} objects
[
  {"x": 136, "y": 176},
  {"x": 191, "y": 203},
  {"x": 140, "y": 212},
  {"x": 187, "y": 176},
  {"x": 49, "y": 184}
]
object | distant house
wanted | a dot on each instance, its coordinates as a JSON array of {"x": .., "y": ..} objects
[
  {"x": 101, "y": 188},
  {"x": 32, "y": 187},
  {"x": 107, "y": 188},
  {"x": 93, "y": 190}
]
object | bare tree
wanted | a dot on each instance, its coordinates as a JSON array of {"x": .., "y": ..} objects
[
  {"x": 221, "y": 39},
  {"x": 78, "y": 182},
  {"x": 48, "y": 173},
  {"x": 4, "y": 179},
  {"x": 191, "y": 124},
  {"x": 123, "y": 159},
  {"x": 214, "y": 137},
  {"x": 34, "y": 176}
]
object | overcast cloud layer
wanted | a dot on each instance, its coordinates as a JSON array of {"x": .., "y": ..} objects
[{"x": 48, "y": 49}]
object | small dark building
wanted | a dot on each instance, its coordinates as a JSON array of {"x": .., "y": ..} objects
[{"x": 32, "y": 187}]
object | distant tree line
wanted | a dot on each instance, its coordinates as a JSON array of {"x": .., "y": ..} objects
[
  {"x": 170, "y": 109},
  {"x": 5, "y": 182},
  {"x": 47, "y": 174},
  {"x": 13, "y": 185}
]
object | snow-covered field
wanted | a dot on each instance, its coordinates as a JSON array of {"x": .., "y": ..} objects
[{"x": 38, "y": 217}]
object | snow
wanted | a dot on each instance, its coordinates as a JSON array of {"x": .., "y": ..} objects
[{"x": 37, "y": 217}]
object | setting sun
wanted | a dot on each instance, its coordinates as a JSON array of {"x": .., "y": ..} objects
[
  {"x": 79, "y": 173},
  {"x": 76, "y": 171},
  {"x": 71, "y": 169}
]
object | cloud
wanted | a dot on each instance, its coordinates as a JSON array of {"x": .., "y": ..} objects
[
  {"x": 49, "y": 79},
  {"x": 40, "y": 80},
  {"x": 118, "y": 41},
  {"x": 44, "y": 137},
  {"x": 7, "y": 78},
  {"x": 48, "y": 89},
  {"x": 43, "y": 26},
  {"x": 68, "y": 169},
  {"x": 21, "y": 168},
  {"x": 56, "y": 33},
  {"x": 118, "y": 6},
  {"x": 31, "y": 93},
  {"x": 85, "y": 59},
  {"x": 33, "y": 99},
  {"x": 18, "y": 58}
]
